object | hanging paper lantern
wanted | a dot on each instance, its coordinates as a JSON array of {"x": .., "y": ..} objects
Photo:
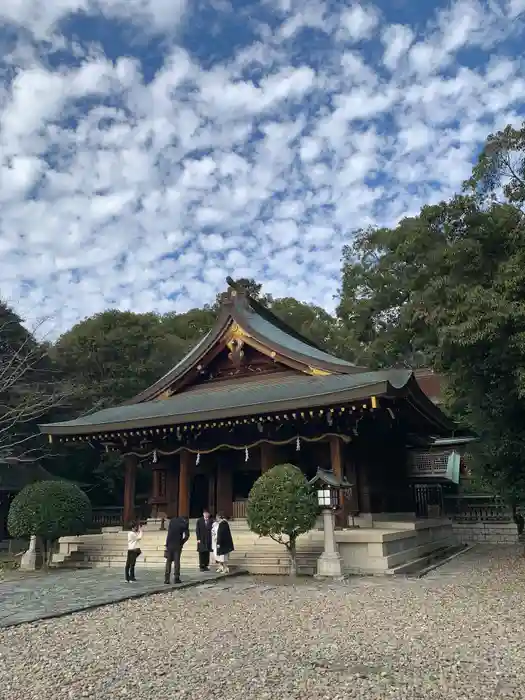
[
  {"x": 155, "y": 459},
  {"x": 298, "y": 444},
  {"x": 246, "y": 454},
  {"x": 198, "y": 458}
]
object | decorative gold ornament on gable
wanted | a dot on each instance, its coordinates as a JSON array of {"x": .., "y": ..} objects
[
  {"x": 236, "y": 330},
  {"x": 236, "y": 354},
  {"x": 166, "y": 394},
  {"x": 315, "y": 372}
]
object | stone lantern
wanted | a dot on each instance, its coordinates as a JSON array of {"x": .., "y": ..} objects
[{"x": 329, "y": 487}]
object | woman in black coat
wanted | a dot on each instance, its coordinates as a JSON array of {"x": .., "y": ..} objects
[{"x": 223, "y": 543}]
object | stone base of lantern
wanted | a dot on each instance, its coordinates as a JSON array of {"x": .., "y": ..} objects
[{"x": 330, "y": 565}]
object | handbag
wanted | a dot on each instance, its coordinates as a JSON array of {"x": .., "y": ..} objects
[{"x": 139, "y": 551}]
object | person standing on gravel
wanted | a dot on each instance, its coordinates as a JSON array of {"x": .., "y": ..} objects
[
  {"x": 134, "y": 537},
  {"x": 178, "y": 535},
  {"x": 222, "y": 543},
  {"x": 203, "y": 532}
]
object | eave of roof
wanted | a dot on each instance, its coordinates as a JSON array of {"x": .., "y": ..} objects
[{"x": 234, "y": 399}]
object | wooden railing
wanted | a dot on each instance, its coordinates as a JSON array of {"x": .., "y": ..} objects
[
  {"x": 463, "y": 511},
  {"x": 428, "y": 500},
  {"x": 107, "y": 517},
  {"x": 239, "y": 509}
]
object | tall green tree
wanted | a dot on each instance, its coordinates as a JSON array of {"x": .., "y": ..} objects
[{"x": 448, "y": 287}]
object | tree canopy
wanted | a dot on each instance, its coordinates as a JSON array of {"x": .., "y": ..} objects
[
  {"x": 49, "y": 510},
  {"x": 446, "y": 288},
  {"x": 282, "y": 505}
]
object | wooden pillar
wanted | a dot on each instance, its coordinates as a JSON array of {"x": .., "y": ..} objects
[
  {"x": 352, "y": 504},
  {"x": 184, "y": 483},
  {"x": 337, "y": 463},
  {"x": 212, "y": 478},
  {"x": 130, "y": 474},
  {"x": 267, "y": 457},
  {"x": 225, "y": 489},
  {"x": 155, "y": 485}
]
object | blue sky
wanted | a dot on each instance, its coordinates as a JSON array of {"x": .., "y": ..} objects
[{"x": 150, "y": 148}]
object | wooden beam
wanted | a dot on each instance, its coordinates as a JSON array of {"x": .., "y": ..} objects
[
  {"x": 184, "y": 483},
  {"x": 130, "y": 475}
]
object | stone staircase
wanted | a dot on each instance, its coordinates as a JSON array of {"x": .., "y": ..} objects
[
  {"x": 252, "y": 553},
  {"x": 379, "y": 547}
]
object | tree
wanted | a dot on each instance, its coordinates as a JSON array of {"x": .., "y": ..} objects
[
  {"x": 282, "y": 504},
  {"x": 29, "y": 389},
  {"x": 449, "y": 286},
  {"x": 501, "y": 165},
  {"x": 49, "y": 510},
  {"x": 115, "y": 355}
]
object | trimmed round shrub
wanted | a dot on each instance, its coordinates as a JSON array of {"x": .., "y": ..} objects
[
  {"x": 49, "y": 510},
  {"x": 282, "y": 503}
]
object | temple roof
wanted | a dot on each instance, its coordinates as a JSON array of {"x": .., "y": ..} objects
[
  {"x": 308, "y": 377},
  {"x": 242, "y": 316},
  {"x": 250, "y": 397}
]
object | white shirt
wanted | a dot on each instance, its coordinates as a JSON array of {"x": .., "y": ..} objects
[{"x": 134, "y": 538}]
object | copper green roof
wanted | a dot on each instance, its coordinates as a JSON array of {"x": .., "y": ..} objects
[
  {"x": 268, "y": 331},
  {"x": 271, "y": 393}
]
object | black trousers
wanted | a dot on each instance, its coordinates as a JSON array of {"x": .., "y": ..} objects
[
  {"x": 131, "y": 560},
  {"x": 172, "y": 557},
  {"x": 204, "y": 560}
]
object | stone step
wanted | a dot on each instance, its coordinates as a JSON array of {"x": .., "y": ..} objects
[{"x": 417, "y": 567}]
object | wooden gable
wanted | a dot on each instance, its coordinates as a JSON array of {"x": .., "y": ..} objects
[
  {"x": 233, "y": 363},
  {"x": 246, "y": 340}
]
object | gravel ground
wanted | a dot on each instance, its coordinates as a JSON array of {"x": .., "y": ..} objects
[{"x": 455, "y": 634}]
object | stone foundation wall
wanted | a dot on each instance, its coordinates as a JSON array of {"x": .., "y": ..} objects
[{"x": 488, "y": 532}]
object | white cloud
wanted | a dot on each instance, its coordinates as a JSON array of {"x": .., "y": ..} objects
[
  {"x": 397, "y": 39},
  {"x": 119, "y": 188},
  {"x": 358, "y": 22},
  {"x": 41, "y": 18}
]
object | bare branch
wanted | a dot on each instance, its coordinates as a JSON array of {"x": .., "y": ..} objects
[{"x": 28, "y": 391}]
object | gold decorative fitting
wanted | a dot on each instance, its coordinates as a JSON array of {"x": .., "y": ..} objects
[
  {"x": 236, "y": 330},
  {"x": 315, "y": 372},
  {"x": 50, "y": 439}
]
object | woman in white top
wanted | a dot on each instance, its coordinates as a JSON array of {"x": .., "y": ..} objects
[
  {"x": 216, "y": 559},
  {"x": 134, "y": 537}
]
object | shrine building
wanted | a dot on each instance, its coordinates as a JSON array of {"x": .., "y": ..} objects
[{"x": 254, "y": 393}]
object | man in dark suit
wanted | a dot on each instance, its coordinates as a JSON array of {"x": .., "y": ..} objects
[
  {"x": 178, "y": 535},
  {"x": 203, "y": 532}
]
